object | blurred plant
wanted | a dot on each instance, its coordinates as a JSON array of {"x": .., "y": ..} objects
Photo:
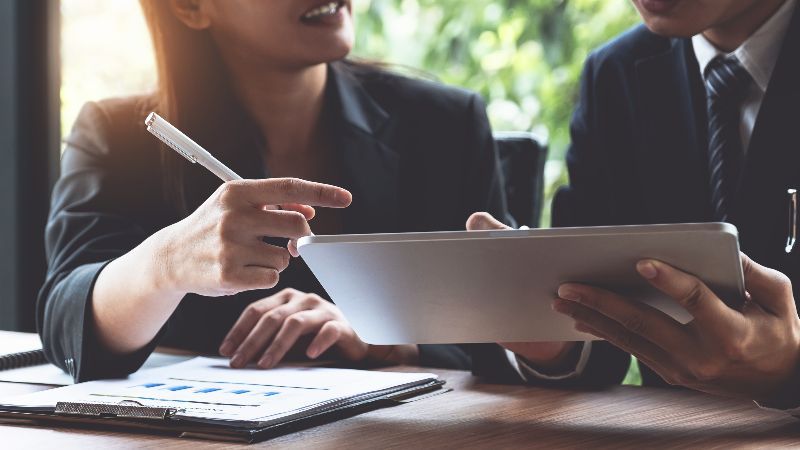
[{"x": 523, "y": 56}]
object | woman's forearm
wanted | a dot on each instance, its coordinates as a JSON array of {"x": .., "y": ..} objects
[
  {"x": 217, "y": 250},
  {"x": 132, "y": 298}
]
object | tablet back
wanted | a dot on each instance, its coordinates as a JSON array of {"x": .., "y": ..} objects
[{"x": 498, "y": 286}]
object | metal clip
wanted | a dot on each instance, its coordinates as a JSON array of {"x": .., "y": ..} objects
[
  {"x": 172, "y": 144},
  {"x": 125, "y": 409}
]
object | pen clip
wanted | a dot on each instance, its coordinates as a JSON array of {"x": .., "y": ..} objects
[
  {"x": 792, "y": 238},
  {"x": 192, "y": 159}
]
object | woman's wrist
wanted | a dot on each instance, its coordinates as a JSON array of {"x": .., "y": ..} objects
[
  {"x": 125, "y": 323},
  {"x": 159, "y": 272}
]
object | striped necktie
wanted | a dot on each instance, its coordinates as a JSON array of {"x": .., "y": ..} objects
[{"x": 726, "y": 85}]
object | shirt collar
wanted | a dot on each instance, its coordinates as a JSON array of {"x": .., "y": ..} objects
[{"x": 759, "y": 53}]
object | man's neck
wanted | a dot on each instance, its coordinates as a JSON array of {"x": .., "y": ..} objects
[{"x": 731, "y": 33}]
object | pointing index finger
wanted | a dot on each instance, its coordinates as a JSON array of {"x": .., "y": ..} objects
[{"x": 279, "y": 191}]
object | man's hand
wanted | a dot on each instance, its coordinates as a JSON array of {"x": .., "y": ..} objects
[
  {"x": 752, "y": 353},
  {"x": 546, "y": 355}
]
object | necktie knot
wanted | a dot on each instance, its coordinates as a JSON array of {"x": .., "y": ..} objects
[{"x": 727, "y": 79}]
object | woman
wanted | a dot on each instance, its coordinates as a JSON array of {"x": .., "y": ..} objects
[{"x": 139, "y": 241}]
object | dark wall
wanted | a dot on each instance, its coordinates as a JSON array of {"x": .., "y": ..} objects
[{"x": 29, "y": 150}]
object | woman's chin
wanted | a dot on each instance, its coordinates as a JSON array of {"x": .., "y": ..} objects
[{"x": 332, "y": 50}]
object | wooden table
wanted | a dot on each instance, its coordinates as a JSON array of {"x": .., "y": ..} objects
[{"x": 480, "y": 415}]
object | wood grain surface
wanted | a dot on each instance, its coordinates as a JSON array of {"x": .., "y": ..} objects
[{"x": 480, "y": 415}]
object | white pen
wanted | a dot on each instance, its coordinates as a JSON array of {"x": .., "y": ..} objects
[{"x": 188, "y": 148}]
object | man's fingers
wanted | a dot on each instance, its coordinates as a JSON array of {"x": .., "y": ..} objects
[
  {"x": 665, "y": 368},
  {"x": 691, "y": 293},
  {"x": 484, "y": 221},
  {"x": 769, "y": 288},
  {"x": 589, "y": 320},
  {"x": 281, "y": 191},
  {"x": 638, "y": 318}
]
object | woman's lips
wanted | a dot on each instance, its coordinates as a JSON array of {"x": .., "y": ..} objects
[
  {"x": 329, "y": 13},
  {"x": 658, "y": 6}
]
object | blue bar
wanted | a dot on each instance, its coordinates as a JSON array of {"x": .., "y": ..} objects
[
  {"x": 240, "y": 391},
  {"x": 269, "y": 394},
  {"x": 151, "y": 385},
  {"x": 178, "y": 388},
  {"x": 207, "y": 390}
]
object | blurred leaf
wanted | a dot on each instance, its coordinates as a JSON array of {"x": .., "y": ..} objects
[{"x": 523, "y": 56}]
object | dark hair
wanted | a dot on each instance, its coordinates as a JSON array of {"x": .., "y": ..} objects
[{"x": 193, "y": 89}]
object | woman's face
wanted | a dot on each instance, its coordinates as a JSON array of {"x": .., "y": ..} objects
[{"x": 282, "y": 33}]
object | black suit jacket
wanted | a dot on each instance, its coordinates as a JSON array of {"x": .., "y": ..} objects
[
  {"x": 417, "y": 156},
  {"x": 638, "y": 156}
]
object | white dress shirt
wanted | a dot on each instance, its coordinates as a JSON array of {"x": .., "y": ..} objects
[{"x": 758, "y": 55}]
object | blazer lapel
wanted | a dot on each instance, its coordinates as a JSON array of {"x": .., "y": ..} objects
[
  {"x": 671, "y": 155},
  {"x": 773, "y": 158},
  {"x": 370, "y": 167}
]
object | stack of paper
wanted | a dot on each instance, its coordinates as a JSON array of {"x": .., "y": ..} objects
[{"x": 206, "y": 390}]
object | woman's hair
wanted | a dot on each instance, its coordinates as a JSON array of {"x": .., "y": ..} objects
[{"x": 193, "y": 90}]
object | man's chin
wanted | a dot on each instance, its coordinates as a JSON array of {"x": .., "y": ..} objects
[{"x": 671, "y": 28}]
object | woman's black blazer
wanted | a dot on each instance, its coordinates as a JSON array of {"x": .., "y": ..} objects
[{"x": 417, "y": 156}]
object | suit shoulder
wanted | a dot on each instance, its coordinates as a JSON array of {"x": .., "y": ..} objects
[
  {"x": 110, "y": 124},
  {"x": 417, "y": 94}
]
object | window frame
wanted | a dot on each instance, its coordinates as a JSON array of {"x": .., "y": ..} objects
[{"x": 29, "y": 150}]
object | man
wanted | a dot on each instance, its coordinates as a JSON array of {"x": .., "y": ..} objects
[{"x": 692, "y": 117}]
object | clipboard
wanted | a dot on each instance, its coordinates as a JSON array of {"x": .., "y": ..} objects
[{"x": 128, "y": 415}]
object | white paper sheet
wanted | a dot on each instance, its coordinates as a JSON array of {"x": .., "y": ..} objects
[
  {"x": 54, "y": 376},
  {"x": 13, "y": 342},
  {"x": 207, "y": 388}
]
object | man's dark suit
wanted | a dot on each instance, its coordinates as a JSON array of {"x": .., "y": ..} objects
[{"x": 638, "y": 156}]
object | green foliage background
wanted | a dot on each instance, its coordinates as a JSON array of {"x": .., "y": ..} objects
[{"x": 523, "y": 56}]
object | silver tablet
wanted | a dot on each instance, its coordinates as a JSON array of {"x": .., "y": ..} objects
[{"x": 498, "y": 286}]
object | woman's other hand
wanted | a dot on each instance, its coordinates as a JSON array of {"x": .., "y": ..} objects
[
  {"x": 269, "y": 328},
  {"x": 218, "y": 250}
]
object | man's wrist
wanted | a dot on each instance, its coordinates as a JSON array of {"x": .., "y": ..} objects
[
  {"x": 569, "y": 370},
  {"x": 565, "y": 362},
  {"x": 394, "y": 354}
]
